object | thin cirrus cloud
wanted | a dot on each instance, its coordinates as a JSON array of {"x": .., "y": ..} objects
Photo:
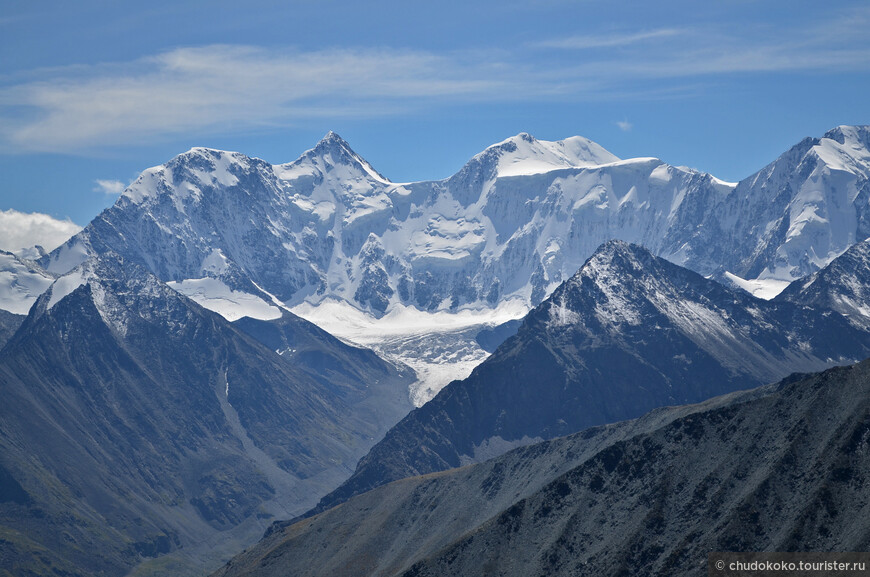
[
  {"x": 581, "y": 42},
  {"x": 227, "y": 87},
  {"x": 230, "y": 88}
]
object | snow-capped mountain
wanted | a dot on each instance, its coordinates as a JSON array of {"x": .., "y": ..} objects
[
  {"x": 244, "y": 237},
  {"x": 137, "y": 424},
  {"x": 516, "y": 220},
  {"x": 795, "y": 215},
  {"x": 199, "y": 429},
  {"x": 627, "y": 333}
]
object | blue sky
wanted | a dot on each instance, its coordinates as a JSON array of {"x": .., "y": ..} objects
[{"x": 92, "y": 92}]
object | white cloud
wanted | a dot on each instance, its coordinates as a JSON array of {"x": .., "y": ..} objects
[
  {"x": 227, "y": 88},
  {"x": 624, "y": 125},
  {"x": 23, "y": 230},
  {"x": 110, "y": 187}
]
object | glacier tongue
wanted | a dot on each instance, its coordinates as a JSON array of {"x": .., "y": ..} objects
[{"x": 440, "y": 346}]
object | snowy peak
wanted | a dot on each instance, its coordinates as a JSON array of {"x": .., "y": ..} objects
[
  {"x": 846, "y": 148},
  {"x": 853, "y": 136},
  {"x": 523, "y": 154},
  {"x": 624, "y": 293},
  {"x": 843, "y": 286},
  {"x": 628, "y": 333},
  {"x": 332, "y": 151},
  {"x": 513, "y": 223},
  {"x": 190, "y": 174},
  {"x": 118, "y": 289},
  {"x": 795, "y": 215},
  {"x": 617, "y": 254},
  {"x": 616, "y": 263},
  {"x": 615, "y": 284}
]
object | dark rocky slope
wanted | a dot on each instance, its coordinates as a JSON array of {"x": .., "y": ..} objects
[
  {"x": 9, "y": 323},
  {"x": 136, "y": 424},
  {"x": 780, "y": 468}
]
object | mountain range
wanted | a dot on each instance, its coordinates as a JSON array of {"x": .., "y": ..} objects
[
  {"x": 328, "y": 236},
  {"x": 166, "y": 402},
  {"x": 514, "y": 222}
]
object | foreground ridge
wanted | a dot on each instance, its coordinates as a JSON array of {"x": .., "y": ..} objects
[{"x": 780, "y": 468}]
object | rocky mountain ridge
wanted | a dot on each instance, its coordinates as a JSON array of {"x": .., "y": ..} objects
[
  {"x": 780, "y": 468},
  {"x": 141, "y": 430}
]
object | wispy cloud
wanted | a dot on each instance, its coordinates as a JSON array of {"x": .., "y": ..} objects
[
  {"x": 607, "y": 41},
  {"x": 110, "y": 187},
  {"x": 229, "y": 88},
  {"x": 624, "y": 125},
  {"x": 23, "y": 230}
]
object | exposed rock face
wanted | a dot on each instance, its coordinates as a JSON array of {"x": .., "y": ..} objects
[
  {"x": 196, "y": 430},
  {"x": 9, "y": 323},
  {"x": 237, "y": 234},
  {"x": 782, "y": 468},
  {"x": 629, "y": 332}
]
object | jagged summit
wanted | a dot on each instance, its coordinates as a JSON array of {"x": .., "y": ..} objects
[
  {"x": 615, "y": 248},
  {"x": 128, "y": 392},
  {"x": 855, "y": 134},
  {"x": 842, "y": 286},
  {"x": 796, "y": 214},
  {"x": 191, "y": 174},
  {"x": 332, "y": 150},
  {"x": 613, "y": 258},
  {"x": 117, "y": 288},
  {"x": 331, "y": 139},
  {"x": 620, "y": 258}
]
